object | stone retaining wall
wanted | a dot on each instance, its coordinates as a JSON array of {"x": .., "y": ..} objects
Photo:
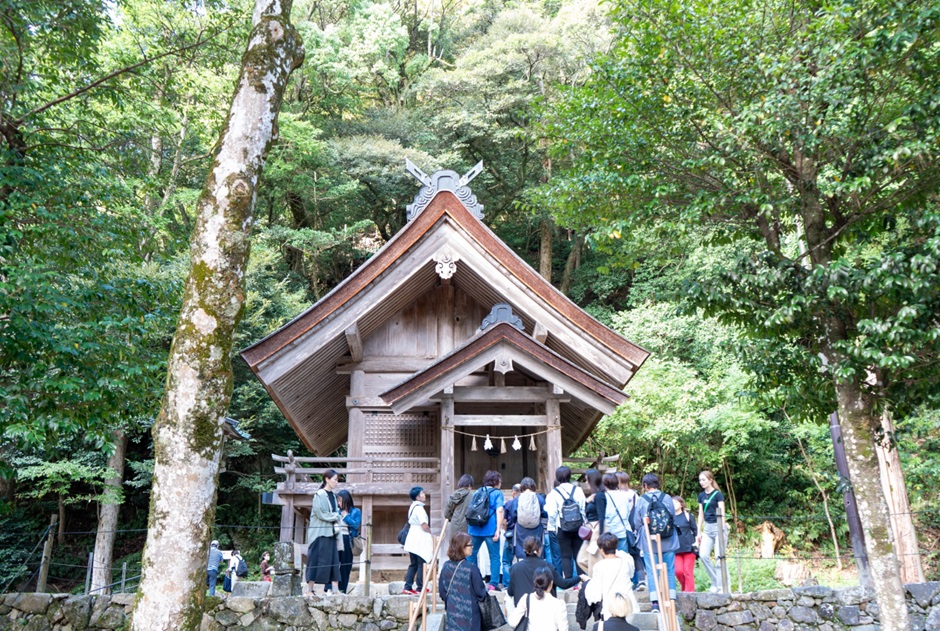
[
  {"x": 63, "y": 612},
  {"x": 804, "y": 608}
]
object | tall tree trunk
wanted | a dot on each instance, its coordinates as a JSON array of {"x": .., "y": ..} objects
[
  {"x": 188, "y": 432},
  {"x": 60, "y": 533},
  {"x": 572, "y": 263},
  {"x": 545, "y": 248},
  {"x": 860, "y": 423},
  {"x": 108, "y": 519},
  {"x": 899, "y": 505}
]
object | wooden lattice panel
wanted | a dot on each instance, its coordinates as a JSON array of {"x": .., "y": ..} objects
[{"x": 401, "y": 436}]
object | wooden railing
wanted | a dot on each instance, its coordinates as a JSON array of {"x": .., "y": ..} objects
[{"x": 365, "y": 466}]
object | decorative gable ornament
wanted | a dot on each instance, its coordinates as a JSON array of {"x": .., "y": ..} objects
[
  {"x": 501, "y": 312},
  {"x": 443, "y": 181}
]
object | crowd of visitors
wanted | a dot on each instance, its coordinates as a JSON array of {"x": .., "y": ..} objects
[{"x": 594, "y": 536}]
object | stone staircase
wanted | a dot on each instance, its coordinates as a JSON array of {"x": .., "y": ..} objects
[{"x": 645, "y": 619}]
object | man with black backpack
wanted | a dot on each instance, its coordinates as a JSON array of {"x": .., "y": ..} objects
[
  {"x": 658, "y": 507},
  {"x": 485, "y": 519},
  {"x": 565, "y": 509}
]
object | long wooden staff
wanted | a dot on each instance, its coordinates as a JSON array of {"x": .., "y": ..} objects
[
  {"x": 422, "y": 598},
  {"x": 667, "y": 607}
]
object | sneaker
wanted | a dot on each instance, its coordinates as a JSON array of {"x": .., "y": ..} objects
[
  {"x": 654, "y": 607},
  {"x": 409, "y": 592},
  {"x": 492, "y": 588},
  {"x": 640, "y": 587}
]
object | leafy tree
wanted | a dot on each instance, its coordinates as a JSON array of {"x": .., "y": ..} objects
[{"x": 808, "y": 139}]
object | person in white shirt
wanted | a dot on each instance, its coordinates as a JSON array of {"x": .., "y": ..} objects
[
  {"x": 566, "y": 535},
  {"x": 419, "y": 544},
  {"x": 611, "y": 575},
  {"x": 544, "y": 611}
]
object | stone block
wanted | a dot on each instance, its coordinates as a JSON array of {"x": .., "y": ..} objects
[
  {"x": 124, "y": 600},
  {"x": 867, "y": 627},
  {"x": 849, "y": 615},
  {"x": 37, "y": 623},
  {"x": 227, "y": 617},
  {"x": 32, "y": 603},
  {"x": 918, "y": 621},
  {"x": 705, "y": 620},
  {"x": 779, "y": 612},
  {"x": 813, "y": 591},
  {"x": 932, "y": 623},
  {"x": 735, "y": 618},
  {"x": 358, "y": 605},
  {"x": 395, "y": 588},
  {"x": 251, "y": 589},
  {"x": 854, "y": 595},
  {"x": 240, "y": 605},
  {"x": 760, "y": 611},
  {"x": 285, "y": 585},
  {"x": 397, "y": 607},
  {"x": 766, "y": 626},
  {"x": 109, "y": 618},
  {"x": 291, "y": 610},
  {"x": 263, "y": 623},
  {"x": 785, "y": 624},
  {"x": 923, "y": 593},
  {"x": 871, "y": 608},
  {"x": 368, "y": 626},
  {"x": 826, "y": 611},
  {"x": 805, "y": 601},
  {"x": 707, "y": 600},
  {"x": 773, "y": 594},
  {"x": 77, "y": 610},
  {"x": 686, "y": 605},
  {"x": 388, "y": 625},
  {"x": 803, "y": 615},
  {"x": 347, "y": 620},
  {"x": 320, "y": 620}
]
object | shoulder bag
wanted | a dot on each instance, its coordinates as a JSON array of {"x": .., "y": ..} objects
[{"x": 491, "y": 614}]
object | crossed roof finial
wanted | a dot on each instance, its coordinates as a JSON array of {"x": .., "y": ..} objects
[{"x": 444, "y": 180}]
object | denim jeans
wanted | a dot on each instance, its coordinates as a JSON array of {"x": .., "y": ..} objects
[
  {"x": 212, "y": 580},
  {"x": 492, "y": 549},
  {"x": 649, "y": 560},
  {"x": 508, "y": 543},
  {"x": 555, "y": 549}
]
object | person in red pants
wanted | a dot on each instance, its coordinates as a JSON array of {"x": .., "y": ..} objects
[{"x": 686, "y": 554}]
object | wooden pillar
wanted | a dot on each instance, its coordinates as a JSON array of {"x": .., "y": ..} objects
[
  {"x": 447, "y": 455},
  {"x": 553, "y": 446},
  {"x": 357, "y": 425},
  {"x": 445, "y": 318},
  {"x": 286, "y": 534}
]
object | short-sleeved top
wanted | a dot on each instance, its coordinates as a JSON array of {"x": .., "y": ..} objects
[
  {"x": 709, "y": 504},
  {"x": 496, "y": 501}
]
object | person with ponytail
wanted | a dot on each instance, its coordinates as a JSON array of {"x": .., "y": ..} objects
[
  {"x": 543, "y": 611},
  {"x": 711, "y": 503},
  {"x": 322, "y": 535}
]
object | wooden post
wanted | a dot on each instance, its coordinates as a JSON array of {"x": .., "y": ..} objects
[
  {"x": 553, "y": 444},
  {"x": 123, "y": 576},
  {"x": 88, "y": 569},
  {"x": 46, "y": 557},
  {"x": 667, "y": 607},
  {"x": 357, "y": 423},
  {"x": 367, "y": 564},
  {"x": 447, "y": 453},
  {"x": 723, "y": 554}
]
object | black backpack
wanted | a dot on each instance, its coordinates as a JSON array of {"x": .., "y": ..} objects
[
  {"x": 569, "y": 518},
  {"x": 478, "y": 512},
  {"x": 662, "y": 520},
  {"x": 242, "y": 568}
]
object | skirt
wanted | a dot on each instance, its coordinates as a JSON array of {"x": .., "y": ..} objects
[{"x": 323, "y": 561}]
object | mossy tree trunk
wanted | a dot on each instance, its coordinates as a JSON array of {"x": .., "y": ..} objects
[
  {"x": 108, "y": 512},
  {"x": 188, "y": 432},
  {"x": 860, "y": 423}
]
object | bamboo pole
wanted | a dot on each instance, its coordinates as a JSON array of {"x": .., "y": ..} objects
[
  {"x": 667, "y": 607},
  {"x": 429, "y": 572}
]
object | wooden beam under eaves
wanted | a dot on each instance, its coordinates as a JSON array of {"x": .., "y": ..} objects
[{"x": 354, "y": 340}]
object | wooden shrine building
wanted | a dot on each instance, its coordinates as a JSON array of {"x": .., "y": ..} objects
[{"x": 441, "y": 339}]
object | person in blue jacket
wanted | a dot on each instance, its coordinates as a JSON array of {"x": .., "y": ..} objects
[
  {"x": 651, "y": 495},
  {"x": 352, "y": 519}
]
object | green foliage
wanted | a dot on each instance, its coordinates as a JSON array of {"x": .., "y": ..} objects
[{"x": 60, "y": 478}]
